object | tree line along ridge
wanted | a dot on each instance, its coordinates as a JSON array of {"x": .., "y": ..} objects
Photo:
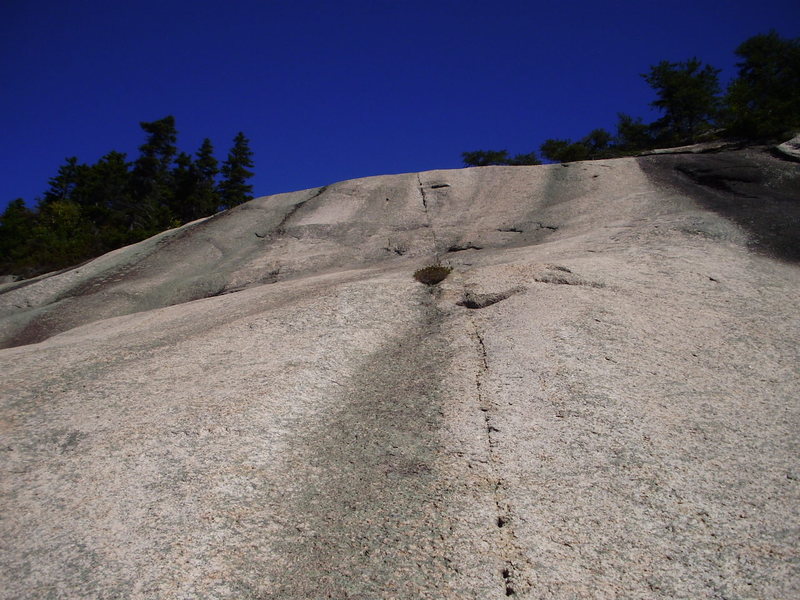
[
  {"x": 90, "y": 209},
  {"x": 761, "y": 104}
]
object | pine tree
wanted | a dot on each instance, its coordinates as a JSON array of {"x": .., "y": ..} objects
[
  {"x": 564, "y": 150},
  {"x": 206, "y": 167},
  {"x": 195, "y": 192},
  {"x": 16, "y": 225},
  {"x": 688, "y": 95},
  {"x": 597, "y": 141},
  {"x": 63, "y": 186},
  {"x": 632, "y": 134},
  {"x": 234, "y": 190},
  {"x": 183, "y": 187},
  {"x": 521, "y": 160},
  {"x": 485, "y": 158},
  {"x": 91, "y": 209},
  {"x": 108, "y": 197},
  {"x": 764, "y": 100},
  {"x": 152, "y": 176}
]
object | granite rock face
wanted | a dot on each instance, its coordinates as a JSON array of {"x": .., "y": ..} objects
[
  {"x": 790, "y": 148},
  {"x": 599, "y": 401}
]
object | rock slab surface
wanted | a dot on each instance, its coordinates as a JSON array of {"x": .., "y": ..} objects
[{"x": 600, "y": 401}]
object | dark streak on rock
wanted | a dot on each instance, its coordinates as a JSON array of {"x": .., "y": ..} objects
[
  {"x": 467, "y": 246},
  {"x": 550, "y": 227},
  {"x": 281, "y": 228},
  {"x": 746, "y": 186}
]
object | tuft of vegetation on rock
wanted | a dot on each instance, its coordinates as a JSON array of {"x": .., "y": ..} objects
[{"x": 432, "y": 274}]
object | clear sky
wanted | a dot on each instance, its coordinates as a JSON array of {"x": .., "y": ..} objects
[{"x": 328, "y": 91}]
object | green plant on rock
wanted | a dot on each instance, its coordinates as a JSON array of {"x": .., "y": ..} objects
[{"x": 432, "y": 274}]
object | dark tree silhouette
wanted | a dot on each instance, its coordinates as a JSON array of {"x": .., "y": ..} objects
[
  {"x": 90, "y": 209},
  {"x": 486, "y": 158},
  {"x": 764, "y": 100},
  {"x": 688, "y": 96},
  {"x": 206, "y": 197},
  {"x": 632, "y": 134},
  {"x": 234, "y": 189},
  {"x": 152, "y": 176}
]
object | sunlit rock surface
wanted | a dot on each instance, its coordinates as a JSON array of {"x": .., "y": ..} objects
[{"x": 600, "y": 401}]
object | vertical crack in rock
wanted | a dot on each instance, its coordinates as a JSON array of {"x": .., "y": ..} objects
[
  {"x": 428, "y": 216},
  {"x": 505, "y": 534}
]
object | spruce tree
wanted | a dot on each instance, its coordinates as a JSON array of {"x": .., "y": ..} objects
[
  {"x": 564, "y": 150},
  {"x": 183, "y": 186},
  {"x": 108, "y": 199},
  {"x": 194, "y": 188},
  {"x": 206, "y": 168},
  {"x": 632, "y": 134},
  {"x": 688, "y": 95},
  {"x": 234, "y": 190},
  {"x": 152, "y": 177},
  {"x": 764, "y": 100},
  {"x": 64, "y": 184},
  {"x": 485, "y": 158},
  {"x": 16, "y": 225},
  {"x": 522, "y": 160}
]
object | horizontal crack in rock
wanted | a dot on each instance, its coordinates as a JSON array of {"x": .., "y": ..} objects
[
  {"x": 467, "y": 246},
  {"x": 473, "y": 300},
  {"x": 563, "y": 276}
]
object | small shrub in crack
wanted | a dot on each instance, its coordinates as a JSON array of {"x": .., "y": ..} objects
[{"x": 432, "y": 275}]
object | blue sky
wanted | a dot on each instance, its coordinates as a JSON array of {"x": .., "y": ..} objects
[{"x": 328, "y": 91}]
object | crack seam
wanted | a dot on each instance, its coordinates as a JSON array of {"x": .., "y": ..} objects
[
  {"x": 501, "y": 504},
  {"x": 281, "y": 228},
  {"x": 428, "y": 217}
]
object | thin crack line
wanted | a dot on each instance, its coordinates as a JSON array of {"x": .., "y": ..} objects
[
  {"x": 501, "y": 503},
  {"x": 281, "y": 228},
  {"x": 428, "y": 217}
]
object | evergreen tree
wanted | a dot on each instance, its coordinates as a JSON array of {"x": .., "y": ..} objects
[
  {"x": 564, "y": 150},
  {"x": 520, "y": 160},
  {"x": 91, "y": 209},
  {"x": 152, "y": 176},
  {"x": 195, "y": 194},
  {"x": 108, "y": 200},
  {"x": 63, "y": 186},
  {"x": 597, "y": 141},
  {"x": 61, "y": 236},
  {"x": 206, "y": 170},
  {"x": 16, "y": 225},
  {"x": 632, "y": 134},
  {"x": 688, "y": 95},
  {"x": 183, "y": 186},
  {"x": 485, "y": 158},
  {"x": 234, "y": 190},
  {"x": 764, "y": 100}
]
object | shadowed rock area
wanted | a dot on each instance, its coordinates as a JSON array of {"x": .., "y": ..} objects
[{"x": 599, "y": 401}]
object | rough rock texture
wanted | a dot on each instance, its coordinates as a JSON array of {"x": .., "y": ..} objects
[
  {"x": 790, "y": 148},
  {"x": 600, "y": 401}
]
